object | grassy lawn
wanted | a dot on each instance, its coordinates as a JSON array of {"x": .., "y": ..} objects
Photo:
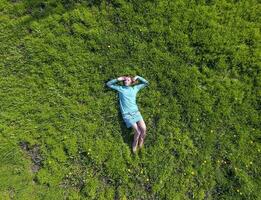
[{"x": 61, "y": 131}]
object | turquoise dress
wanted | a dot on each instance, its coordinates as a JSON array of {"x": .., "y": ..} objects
[{"x": 127, "y": 100}]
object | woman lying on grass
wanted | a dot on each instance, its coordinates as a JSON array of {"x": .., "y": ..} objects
[{"x": 129, "y": 109}]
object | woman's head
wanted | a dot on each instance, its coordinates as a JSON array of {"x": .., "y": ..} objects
[{"x": 128, "y": 81}]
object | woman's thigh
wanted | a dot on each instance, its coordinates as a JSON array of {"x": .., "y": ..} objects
[
  {"x": 141, "y": 125},
  {"x": 135, "y": 127}
]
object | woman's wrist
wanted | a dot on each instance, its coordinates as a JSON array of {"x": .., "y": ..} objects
[
  {"x": 120, "y": 78},
  {"x": 135, "y": 78}
]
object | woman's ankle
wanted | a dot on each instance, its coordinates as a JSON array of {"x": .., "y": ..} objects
[{"x": 141, "y": 142}]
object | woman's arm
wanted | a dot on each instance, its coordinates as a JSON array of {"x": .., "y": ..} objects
[
  {"x": 143, "y": 84},
  {"x": 111, "y": 84}
]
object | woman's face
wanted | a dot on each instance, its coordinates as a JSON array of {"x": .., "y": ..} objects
[{"x": 127, "y": 81}]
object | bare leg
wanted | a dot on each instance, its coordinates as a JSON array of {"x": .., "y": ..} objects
[
  {"x": 136, "y": 137},
  {"x": 142, "y": 127}
]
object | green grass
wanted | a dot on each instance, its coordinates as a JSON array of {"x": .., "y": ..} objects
[{"x": 202, "y": 107}]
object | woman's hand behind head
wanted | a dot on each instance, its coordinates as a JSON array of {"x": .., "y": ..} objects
[
  {"x": 134, "y": 80},
  {"x": 121, "y": 78}
]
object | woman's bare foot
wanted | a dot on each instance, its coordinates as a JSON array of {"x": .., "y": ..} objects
[{"x": 134, "y": 148}]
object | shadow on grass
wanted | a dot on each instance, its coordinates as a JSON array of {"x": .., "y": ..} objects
[{"x": 127, "y": 133}]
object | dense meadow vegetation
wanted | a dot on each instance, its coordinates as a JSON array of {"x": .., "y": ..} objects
[{"x": 61, "y": 131}]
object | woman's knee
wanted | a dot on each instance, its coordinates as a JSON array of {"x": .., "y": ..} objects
[
  {"x": 138, "y": 132},
  {"x": 142, "y": 126},
  {"x": 136, "y": 129},
  {"x": 143, "y": 130}
]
